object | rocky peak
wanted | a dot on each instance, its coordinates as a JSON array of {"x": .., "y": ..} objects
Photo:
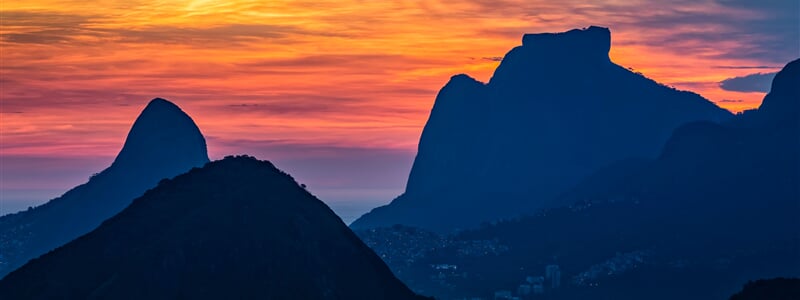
[
  {"x": 592, "y": 42},
  {"x": 163, "y": 135},
  {"x": 783, "y": 101}
]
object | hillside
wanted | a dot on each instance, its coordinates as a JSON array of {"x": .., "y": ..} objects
[
  {"x": 163, "y": 142},
  {"x": 556, "y": 110},
  {"x": 236, "y": 228}
]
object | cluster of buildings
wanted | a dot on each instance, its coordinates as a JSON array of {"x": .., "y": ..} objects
[
  {"x": 478, "y": 248},
  {"x": 402, "y": 246},
  {"x": 534, "y": 286},
  {"x": 444, "y": 273},
  {"x": 618, "y": 264},
  {"x": 11, "y": 243}
]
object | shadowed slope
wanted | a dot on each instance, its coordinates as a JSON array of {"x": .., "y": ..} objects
[
  {"x": 720, "y": 199},
  {"x": 770, "y": 289},
  {"x": 235, "y": 229},
  {"x": 556, "y": 110},
  {"x": 163, "y": 142}
]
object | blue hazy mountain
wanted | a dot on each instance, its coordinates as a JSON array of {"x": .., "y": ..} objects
[
  {"x": 237, "y": 228},
  {"x": 556, "y": 110},
  {"x": 758, "y": 148},
  {"x": 718, "y": 207},
  {"x": 162, "y": 143}
]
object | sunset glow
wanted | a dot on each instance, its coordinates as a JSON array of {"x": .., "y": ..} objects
[{"x": 342, "y": 85}]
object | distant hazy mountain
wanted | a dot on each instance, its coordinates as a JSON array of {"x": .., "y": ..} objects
[
  {"x": 556, "y": 110},
  {"x": 719, "y": 206},
  {"x": 235, "y": 229},
  {"x": 162, "y": 143}
]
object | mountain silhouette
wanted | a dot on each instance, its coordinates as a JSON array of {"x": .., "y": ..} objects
[
  {"x": 770, "y": 289},
  {"x": 780, "y": 108},
  {"x": 716, "y": 208},
  {"x": 237, "y": 228},
  {"x": 163, "y": 139},
  {"x": 162, "y": 143},
  {"x": 556, "y": 110}
]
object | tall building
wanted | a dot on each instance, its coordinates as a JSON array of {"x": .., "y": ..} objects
[{"x": 553, "y": 274}]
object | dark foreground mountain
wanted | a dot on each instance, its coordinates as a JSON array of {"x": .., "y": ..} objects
[
  {"x": 162, "y": 143},
  {"x": 718, "y": 207},
  {"x": 557, "y": 109},
  {"x": 770, "y": 289},
  {"x": 235, "y": 229}
]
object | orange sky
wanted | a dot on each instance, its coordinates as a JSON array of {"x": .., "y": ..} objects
[{"x": 312, "y": 80}]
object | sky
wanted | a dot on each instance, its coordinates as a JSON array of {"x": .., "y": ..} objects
[{"x": 334, "y": 92}]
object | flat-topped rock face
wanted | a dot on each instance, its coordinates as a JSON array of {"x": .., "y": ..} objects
[
  {"x": 555, "y": 110},
  {"x": 592, "y": 42}
]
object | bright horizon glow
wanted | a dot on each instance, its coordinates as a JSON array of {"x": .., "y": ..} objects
[{"x": 313, "y": 84}]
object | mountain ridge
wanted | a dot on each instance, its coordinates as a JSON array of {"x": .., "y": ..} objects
[
  {"x": 163, "y": 142},
  {"x": 235, "y": 228},
  {"x": 556, "y": 109},
  {"x": 716, "y": 208}
]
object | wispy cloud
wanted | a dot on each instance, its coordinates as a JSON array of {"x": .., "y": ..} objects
[
  {"x": 759, "y": 82},
  {"x": 747, "y": 67},
  {"x": 332, "y": 72},
  {"x": 85, "y": 30}
]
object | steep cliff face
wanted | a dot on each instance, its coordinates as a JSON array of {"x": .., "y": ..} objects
[
  {"x": 782, "y": 105},
  {"x": 163, "y": 142},
  {"x": 456, "y": 129},
  {"x": 556, "y": 110},
  {"x": 238, "y": 228},
  {"x": 717, "y": 207}
]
